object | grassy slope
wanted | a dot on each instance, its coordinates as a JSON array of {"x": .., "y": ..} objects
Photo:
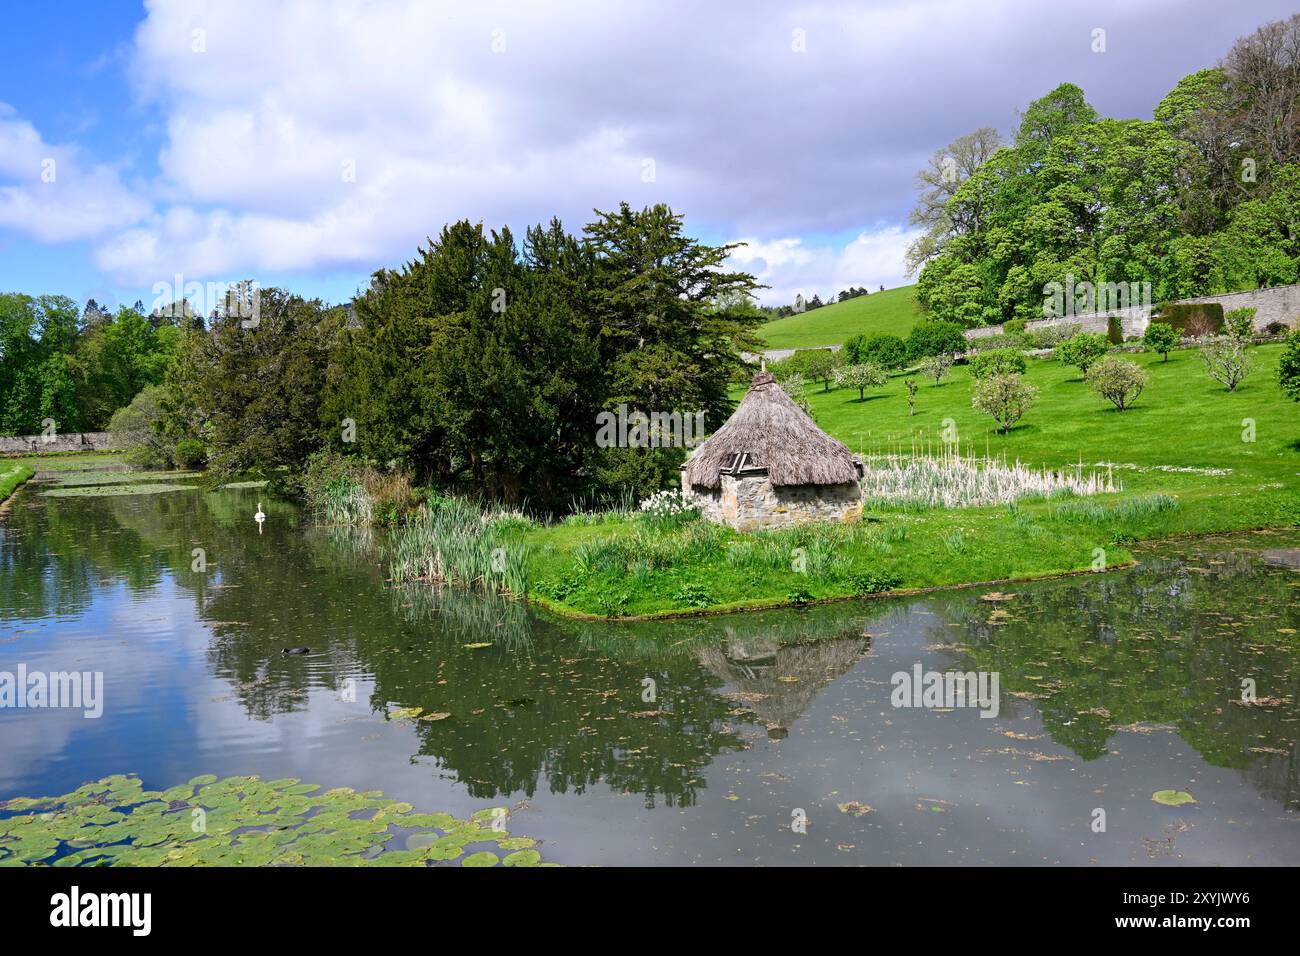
[
  {"x": 894, "y": 311},
  {"x": 1183, "y": 420}
]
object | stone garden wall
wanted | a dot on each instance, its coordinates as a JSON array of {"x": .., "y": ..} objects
[
  {"x": 1281, "y": 304},
  {"x": 71, "y": 441}
]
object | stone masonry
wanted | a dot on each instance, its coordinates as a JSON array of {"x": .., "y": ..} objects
[
  {"x": 1281, "y": 304},
  {"x": 71, "y": 441},
  {"x": 751, "y": 503}
]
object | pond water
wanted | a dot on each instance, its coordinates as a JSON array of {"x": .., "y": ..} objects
[{"x": 703, "y": 741}]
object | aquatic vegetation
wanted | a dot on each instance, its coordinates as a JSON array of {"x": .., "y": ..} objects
[
  {"x": 243, "y": 821},
  {"x": 951, "y": 480},
  {"x": 448, "y": 541},
  {"x": 1173, "y": 798},
  {"x": 112, "y": 491}
]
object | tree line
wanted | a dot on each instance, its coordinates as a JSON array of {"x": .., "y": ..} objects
[
  {"x": 480, "y": 365},
  {"x": 1201, "y": 199},
  {"x": 75, "y": 367}
]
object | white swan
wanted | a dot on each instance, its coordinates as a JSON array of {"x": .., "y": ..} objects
[{"x": 259, "y": 517}]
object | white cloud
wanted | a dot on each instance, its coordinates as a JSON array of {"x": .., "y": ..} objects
[
  {"x": 511, "y": 111},
  {"x": 791, "y": 266},
  {"x": 48, "y": 192}
]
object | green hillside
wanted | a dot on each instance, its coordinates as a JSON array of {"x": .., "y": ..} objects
[{"x": 894, "y": 311}]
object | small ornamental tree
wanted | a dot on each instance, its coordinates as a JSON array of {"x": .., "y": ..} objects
[
  {"x": 1118, "y": 380},
  {"x": 937, "y": 367},
  {"x": 816, "y": 364},
  {"x": 861, "y": 377},
  {"x": 1160, "y": 337},
  {"x": 1005, "y": 397},
  {"x": 1288, "y": 366},
  {"x": 1082, "y": 350},
  {"x": 1240, "y": 322},
  {"x": 1227, "y": 359}
]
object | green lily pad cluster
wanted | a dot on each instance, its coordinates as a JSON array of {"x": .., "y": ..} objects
[{"x": 245, "y": 821}]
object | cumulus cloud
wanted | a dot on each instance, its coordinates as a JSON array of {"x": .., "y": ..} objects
[
  {"x": 50, "y": 193},
  {"x": 792, "y": 267},
  {"x": 315, "y": 135}
]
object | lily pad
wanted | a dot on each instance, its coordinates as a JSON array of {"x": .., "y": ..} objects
[
  {"x": 522, "y": 858},
  {"x": 1172, "y": 798},
  {"x": 245, "y": 822}
]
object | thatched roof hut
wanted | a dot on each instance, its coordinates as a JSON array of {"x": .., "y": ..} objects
[
  {"x": 768, "y": 430},
  {"x": 761, "y": 674},
  {"x": 770, "y": 465}
]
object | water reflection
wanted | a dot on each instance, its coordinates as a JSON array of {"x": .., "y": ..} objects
[{"x": 1109, "y": 666}]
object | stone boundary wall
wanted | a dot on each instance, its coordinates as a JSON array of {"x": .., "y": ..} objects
[
  {"x": 70, "y": 441},
  {"x": 1281, "y": 304}
]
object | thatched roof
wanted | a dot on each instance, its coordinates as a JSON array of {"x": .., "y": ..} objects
[{"x": 768, "y": 431}]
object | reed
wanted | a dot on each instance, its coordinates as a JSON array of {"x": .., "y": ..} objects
[
  {"x": 448, "y": 541},
  {"x": 951, "y": 480}
]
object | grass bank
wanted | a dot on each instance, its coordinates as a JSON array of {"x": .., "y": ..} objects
[
  {"x": 1188, "y": 459},
  {"x": 12, "y": 476}
]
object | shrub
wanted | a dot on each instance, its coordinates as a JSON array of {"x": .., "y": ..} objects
[
  {"x": 800, "y": 596},
  {"x": 998, "y": 362},
  {"x": 189, "y": 454},
  {"x": 985, "y": 343},
  {"x": 1240, "y": 322},
  {"x": 1227, "y": 359},
  {"x": 936, "y": 367},
  {"x": 1114, "y": 330},
  {"x": 1288, "y": 366},
  {"x": 1277, "y": 328},
  {"x": 1160, "y": 337},
  {"x": 693, "y": 595},
  {"x": 1005, "y": 397},
  {"x": 137, "y": 429},
  {"x": 877, "y": 348},
  {"x": 344, "y": 491},
  {"x": 1118, "y": 380},
  {"x": 861, "y": 377},
  {"x": 1051, "y": 336},
  {"x": 1192, "y": 320},
  {"x": 1082, "y": 350},
  {"x": 935, "y": 338},
  {"x": 873, "y": 582},
  {"x": 1014, "y": 326}
]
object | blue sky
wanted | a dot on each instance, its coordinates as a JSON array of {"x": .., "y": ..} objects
[{"x": 214, "y": 138}]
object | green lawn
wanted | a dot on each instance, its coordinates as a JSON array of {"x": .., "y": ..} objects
[
  {"x": 1183, "y": 420},
  {"x": 894, "y": 311},
  {"x": 12, "y": 475}
]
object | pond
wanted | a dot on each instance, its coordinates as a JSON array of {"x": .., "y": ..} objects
[{"x": 751, "y": 739}]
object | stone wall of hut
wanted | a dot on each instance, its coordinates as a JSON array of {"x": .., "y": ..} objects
[{"x": 753, "y": 504}]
